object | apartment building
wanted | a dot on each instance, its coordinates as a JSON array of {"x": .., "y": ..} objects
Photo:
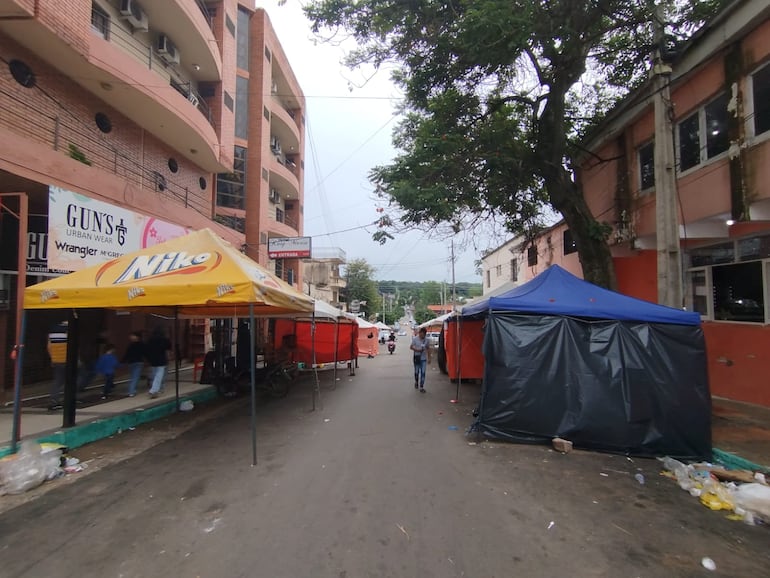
[
  {"x": 720, "y": 102},
  {"x": 117, "y": 119},
  {"x": 263, "y": 195}
]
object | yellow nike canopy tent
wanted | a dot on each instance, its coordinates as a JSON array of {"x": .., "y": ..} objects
[{"x": 198, "y": 275}]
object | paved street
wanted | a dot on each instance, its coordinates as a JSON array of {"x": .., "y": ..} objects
[{"x": 376, "y": 483}]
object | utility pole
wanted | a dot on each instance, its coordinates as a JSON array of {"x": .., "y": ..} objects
[
  {"x": 666, "y": 215},
  {"x": 454, "y": 290}
]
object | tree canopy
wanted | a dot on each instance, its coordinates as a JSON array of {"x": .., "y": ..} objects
[{"x": 498, "y": 97}]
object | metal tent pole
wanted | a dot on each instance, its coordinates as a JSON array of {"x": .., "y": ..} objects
[
  {"x": 253, "y": 378},
  {"x": 19, "y": 351}
]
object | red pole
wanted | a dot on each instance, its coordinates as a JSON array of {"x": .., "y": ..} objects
[{"x": 21, "y": 284}]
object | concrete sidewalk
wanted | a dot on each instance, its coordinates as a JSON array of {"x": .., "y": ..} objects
[{"x": 96, "y": 420}]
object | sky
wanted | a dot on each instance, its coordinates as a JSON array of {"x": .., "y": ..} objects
[{"x": 349, "y": 123}]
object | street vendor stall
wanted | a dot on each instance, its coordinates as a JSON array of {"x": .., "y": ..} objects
[{"x": 195, "y": 276}]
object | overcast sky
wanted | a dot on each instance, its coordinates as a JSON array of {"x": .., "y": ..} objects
[{"x": 349, "y": 125}]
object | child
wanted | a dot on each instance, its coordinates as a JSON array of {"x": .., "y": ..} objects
[{"x": 106, "y": 365}]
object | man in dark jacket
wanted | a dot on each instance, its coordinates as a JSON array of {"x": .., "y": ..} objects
[
  {"x": 156, "y": 352},
  {"x": 134, "y": 359}
]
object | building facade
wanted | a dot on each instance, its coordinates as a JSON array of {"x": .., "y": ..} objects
[
  {"x": 720, "y": 106},
  {"x": 117, "y": 119},
  {"x": 322, "y": 279},
  {"x": 263, "y": 195}
]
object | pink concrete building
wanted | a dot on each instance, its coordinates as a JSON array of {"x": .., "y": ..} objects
[
  {"x": 126, "y": 122},
  {"x": 720, "y": 93}
]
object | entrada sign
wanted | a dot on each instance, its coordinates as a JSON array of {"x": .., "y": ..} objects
[{"x": 289, "y": 247}]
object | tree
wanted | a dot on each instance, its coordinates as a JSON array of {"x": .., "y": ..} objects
[
  {"x": 361, "y": 285},
  {"x": 498, "y": 97}
]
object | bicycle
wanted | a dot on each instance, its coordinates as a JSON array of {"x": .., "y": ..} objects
[{"x": 272, "y": 379}]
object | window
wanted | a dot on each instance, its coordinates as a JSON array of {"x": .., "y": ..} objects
[
  {"x": 22, "y": 73},
  {"x": 499, "y": 270},
  {"x": 280, "y": 216},
  {"x": 689, "y": 142},
  {"x": 100, "y": 22},
  {"x": 241, "y": 107},
  {"x": 647, "y": 166},
  {"x": 699, "y": 294},
  {"x": 716, "y": 126},
  {"x": 760, "y": 81},
  {"x": 703, "y": 134},
  {"x": 242, "y": 40},
  {"x": 514, "y": 270},
  {"x": 231, "y": 187},
  {"x": 489, "y": 278},
  {"x": 103, "y": 122},
  {"x": 279, "y": 268},
  {"x": 725, "y": 285},
  {"x": 738, "y": 292},
  {"x": 570, "y": 246},
  {"x": 532, "y": 256}
]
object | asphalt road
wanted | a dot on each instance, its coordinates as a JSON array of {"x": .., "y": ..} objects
[{"x": 376, "y": 483}]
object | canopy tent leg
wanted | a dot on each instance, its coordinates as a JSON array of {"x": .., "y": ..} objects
[
  {"x": 19, "y": 352},
  {"x": 253, "y": 379},
  {"x": 316, "y": 380},
  {"x": 458, "y": 356},
  {"x": 177, "y": 351},
  {"x": 336, "y": 340},
  {"x": 71, "y": 370}
]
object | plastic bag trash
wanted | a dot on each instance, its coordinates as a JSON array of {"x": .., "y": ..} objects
[
  {"x": 29, "y": 468},
  {"x": 754, "y": 499},
  {"x": 708, "y": 564},
  {"x": 639, "y": 478},
  {"x": 186, "y": 405},
  {"x": 681, "y": 471}
]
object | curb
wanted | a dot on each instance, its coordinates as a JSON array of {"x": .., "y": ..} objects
[
  {"x": 101, "y": 428},
  {"x": 735, "y": 462}
]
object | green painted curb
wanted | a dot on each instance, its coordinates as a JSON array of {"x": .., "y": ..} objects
[
  {"x": 87, "y": 433},
  {"x": 736, "y": 462}
]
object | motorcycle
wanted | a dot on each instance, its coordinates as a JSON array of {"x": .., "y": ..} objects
[{"x": 391, "y": 347}]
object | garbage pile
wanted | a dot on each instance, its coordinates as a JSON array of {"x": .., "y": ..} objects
[
  {"x": 743, "y": 492},
  {"x": 34, "y": 464}
]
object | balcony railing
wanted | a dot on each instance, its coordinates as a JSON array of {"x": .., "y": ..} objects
[
  {"x": 64, "y": 132},
  {"x": 282, "y": 217},
  {"x": 146, "y": 53},
  {"x": 205, "y": 10}
]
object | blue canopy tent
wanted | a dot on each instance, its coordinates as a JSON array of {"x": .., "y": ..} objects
[{"x": 566, "y": 358}]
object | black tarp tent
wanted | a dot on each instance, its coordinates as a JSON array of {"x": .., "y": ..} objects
[{"x": 565, "y": 358}]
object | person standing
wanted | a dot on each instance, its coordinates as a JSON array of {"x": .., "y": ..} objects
[
  {"x": 421, "y": 357},
  {"x": 134, "y": 358},
  {"x": 106, "y": 365},
  {"x": 156, "y": 352},
  {"x": 57, "y": 351}
]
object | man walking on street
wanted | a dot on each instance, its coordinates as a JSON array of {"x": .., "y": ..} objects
[
  {"x": 421, "y": 357},
  {"x": 156, "y": 351}
]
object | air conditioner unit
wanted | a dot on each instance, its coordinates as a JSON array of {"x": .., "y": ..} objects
[
  {"x": 274, "y": 196},
  {"x": 131, "y": 10},
  {"x": 167, "y": 50}
]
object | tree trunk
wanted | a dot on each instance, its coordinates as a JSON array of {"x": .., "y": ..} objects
[
  {"x": 593, "y": 250},
  {"x": 566, "y": 195}
]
